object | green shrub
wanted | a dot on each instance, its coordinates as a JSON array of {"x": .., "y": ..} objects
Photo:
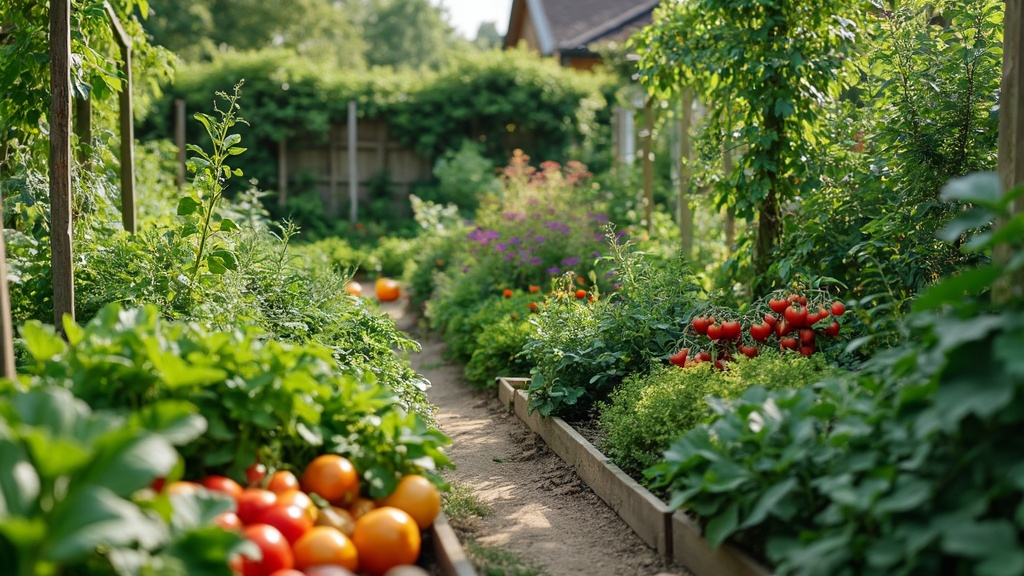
[
  {"x": 648, "y": 411},
  {"x": 463, "y": 177},
  {"x": 498, "y": 351}
]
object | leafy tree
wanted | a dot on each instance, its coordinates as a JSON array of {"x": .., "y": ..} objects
[
  {"x": 487, "y": 36},
  {"x": 775, "y": 64},
  {"x": 405, "y": 33}
]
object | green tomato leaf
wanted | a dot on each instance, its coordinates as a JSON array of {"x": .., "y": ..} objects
[
  {"x": 769, "y": 502},
  {"x": 42, "y": 341},
  {"x": 187, "y": 205},
  {"x": 980, "y": 188},
  {"x": 722, "y": 526},
  {"x": 93, "y": 516},
  {"x": 983, "y": 539},
  {"x": 19, "y": 481},
  {"x": 127, "y": 460}
]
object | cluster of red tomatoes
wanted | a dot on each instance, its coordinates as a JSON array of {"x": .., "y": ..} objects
[
  {"x": 797, "y": 323},
  {"x": 296, "y": 537}
]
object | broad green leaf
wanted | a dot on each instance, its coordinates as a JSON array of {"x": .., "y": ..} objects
[
  {"x": 231, "y": 140},
  {"x": 952, "y": 290},
  {"x": 199, "y": 508},
  {"x": 41, "y": 341},
  {"x": 981, "y": 188},
  {"x": 973, "y": 219},
  {"x": 128, "y": 460},
  {"x": 94, "y": 516},
  {"x": 1003, "y": 563},
  {"x": 178, "y": 422},
  {"x": 187, "y": 205},
  {"x": 205, "y": 551},
  {"x": 722, "y": 526},
  {"x": 982, "y": 539},
  {"x": 768, "y": 502},
  {"x": 227, "y": 225},
  {"x": 19, "y": 482},
  {"x": 725, "y": 476}
]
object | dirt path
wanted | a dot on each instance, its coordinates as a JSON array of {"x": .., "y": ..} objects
[{"x": 540, "y": 510}]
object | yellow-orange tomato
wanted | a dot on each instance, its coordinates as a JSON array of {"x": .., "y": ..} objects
[
  {"x": 418, "y": 497},
  {"x": 385, "y": 538},
  {"x": 354, "y": 288},
  {"x": 323, "y": 545},
  {"x": 298, "y": 499},
  {"x": 387, "y": 290},
  {"x": 333, "y": 478}
]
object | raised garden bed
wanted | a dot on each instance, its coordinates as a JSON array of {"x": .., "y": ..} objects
[
  {"x": 448, "y": 554},
  {"x": 674, "y": 535}
]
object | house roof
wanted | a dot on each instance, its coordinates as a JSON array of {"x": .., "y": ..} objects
[{"x": 573, "y": 24}]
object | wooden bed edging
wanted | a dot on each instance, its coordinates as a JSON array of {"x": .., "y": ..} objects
[
  {"x": 448, "y": 553},
  {"x": 673, "y": 535}
]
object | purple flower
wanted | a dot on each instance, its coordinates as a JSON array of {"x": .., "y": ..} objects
[
  {"x": 535, "y": 260},
  {"x": 553, "y": 270},
  {"x": 597, "y": 217},
  {"x": 596, "y": 254},
  {"x": 515, "y": 240},
  {"x": 501, "y": 247},
  {"x": 508, "y": 257},
  {"x": 558, "y": 227},
  {"x": 517, "y": 216},
  {"x": 483, "y": 236},
  {"x": 538, "y": 239},
  {"x": 598, "y": 237},
  {"x": 570, "y": 262}
]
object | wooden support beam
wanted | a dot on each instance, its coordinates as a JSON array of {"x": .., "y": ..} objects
[
  {"x": 126, "y": 113},
  {"x": 353, "y": 163},
  {"x": 1011, "y": 133},
  {"x": 179, "y": 141},
  {"x": 648, "y": 164},
  {"x": 6, "y": 325},
  {"x": 684, "y": 216},
  {"x": 282, "y": 172},
  {"x": 60, "y": 161}
]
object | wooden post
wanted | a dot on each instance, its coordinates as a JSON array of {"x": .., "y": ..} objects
[
  {"x": 179, "y": 140},
  {"x": 282, "y": 172},
  {"x": 83, "y": 130},
  {"x": 648, "y": 163},
  {"x": 126, "y": 113},
  {"x": 1011, "y": 134},
  {"x": 6, "y": 325},
  {"x": 353, "y": 164},
  {"x": 60, "y": 161},
  {"x": 684, "y": 215}
]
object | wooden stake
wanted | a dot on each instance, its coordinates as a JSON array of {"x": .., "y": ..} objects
[
  {"x": 179, "y": 140},
  {"x": 60, "y": 161},
  {"x": 83, "y": 130},
  {"x": 1011, "y": 135},
  {"x": 684, "y": 215},
  {"x": 126, "y": 112},
  {"x": 6, "y": 325},
  {"x": 648, "y": 164}
]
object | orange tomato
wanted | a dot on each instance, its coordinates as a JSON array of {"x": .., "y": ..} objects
[
  {"x": 333, "y": 478},
  {"x": 282, "y": 481},
  {"x": 354, "y": 288},
  {"x": 298, "y": 499},
  {"x": 324, "y": 545},
  {"x": 385, "y": 538},
  {"x": 418, "y": 497},
  {"x": 387, "y": 290}
]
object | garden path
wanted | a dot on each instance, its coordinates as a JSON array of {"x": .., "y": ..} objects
[{"x": 540, "y": 509}]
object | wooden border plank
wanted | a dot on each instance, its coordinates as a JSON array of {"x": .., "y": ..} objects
[{"x": 448, "y": 552}]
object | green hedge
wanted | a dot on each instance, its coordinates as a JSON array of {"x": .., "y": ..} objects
[{"x": 504, "y": 100}]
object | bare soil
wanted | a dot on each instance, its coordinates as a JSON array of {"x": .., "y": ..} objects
[{"x": 540, "y": 509}]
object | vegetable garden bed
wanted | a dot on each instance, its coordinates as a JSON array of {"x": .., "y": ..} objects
[{"x": 674, "y": 535}]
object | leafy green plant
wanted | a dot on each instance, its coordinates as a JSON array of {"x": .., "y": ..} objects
[
  {"x": 499, "y": 351},
  {"x": 907, "y": 467},
  {"x": 198, "y": 206},
  {"x": 648, "y": 411},
  {"x": 263, "y": 399},
  {"x": 582, "y": 350},
  {"x": 69, "y": 490}
]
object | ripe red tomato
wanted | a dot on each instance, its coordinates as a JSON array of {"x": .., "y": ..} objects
[
  {"x": 581, "y": 294},
  {"x": 812, "y": 318},
  {"x": 282, "y": 481},
  {"x": 748, "y": 351},
  {"x": 796, "y": 316},
  {"x": 704, "y": 357},
  {"x": 807, "y": 336},
  {"x": 807, "y": 350},
  {"x": 252, "y": 502},
  {"x": 255, "y": 474},
  {"x": 507, "y": 293},
  {"x": 679, "y": 358},
  {"x": 228, "y": 521},
  {"x": 760, "y": 332},
  {"x": 291, "y": 521},
  {"x": 822, "y": 312},
  {"x": 838, "y": 308},
  {"x": 720, "y": 365},
  {"x": 532, "y": 306},
  {"x": 783, "y": 328},
  {"x": 832, "y": 329},
  {"x": 731, "y": 329},
  {"x": 222, "y": 484},
  {"x": 778, "y": 306},
  {"x": 715, "y": 331},
  {"x": 700, "y": 324},
  {"x": 790, "y": 343},
  {"x": 277, "y": 554}
]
